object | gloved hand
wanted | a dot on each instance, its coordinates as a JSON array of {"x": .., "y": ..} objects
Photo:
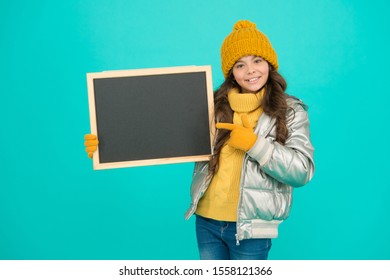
[
  {"x": 241, "y": 137},
  {"x": 90, "y": 143}
]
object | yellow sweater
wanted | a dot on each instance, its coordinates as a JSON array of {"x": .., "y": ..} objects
[{"x": 220, "y": 201}]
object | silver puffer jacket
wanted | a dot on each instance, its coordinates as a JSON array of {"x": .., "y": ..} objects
[{"x": 270, "y": 171}]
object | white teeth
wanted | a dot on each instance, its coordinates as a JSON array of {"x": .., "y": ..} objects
[{"x": 252, "y": 80}]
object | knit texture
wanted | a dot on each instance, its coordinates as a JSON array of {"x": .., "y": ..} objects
[
  {"x": 220, "y": 201},
  {"x": 246, "y": 39}
]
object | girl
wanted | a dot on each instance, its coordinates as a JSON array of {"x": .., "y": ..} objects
[{"x": 262, "y": 151}]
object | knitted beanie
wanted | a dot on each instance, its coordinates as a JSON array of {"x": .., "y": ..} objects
[{"x": 246, "y": 39}]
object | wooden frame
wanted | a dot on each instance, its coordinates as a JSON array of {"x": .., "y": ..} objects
[{"x": 123, "y": 76}]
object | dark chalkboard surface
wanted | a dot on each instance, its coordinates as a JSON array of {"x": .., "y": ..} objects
[{"x": 151, "y": 116}]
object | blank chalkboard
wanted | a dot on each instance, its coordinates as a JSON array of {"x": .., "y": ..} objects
[{"x": 151, "y": 116}]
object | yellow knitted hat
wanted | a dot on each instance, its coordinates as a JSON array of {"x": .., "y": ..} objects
[{"x": 246, "y": 39}]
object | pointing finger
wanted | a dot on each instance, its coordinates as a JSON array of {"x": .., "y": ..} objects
[{"x": 228, "y": 126}]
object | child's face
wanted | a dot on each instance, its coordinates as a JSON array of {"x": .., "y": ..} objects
[{"x": 251, "y": 73}]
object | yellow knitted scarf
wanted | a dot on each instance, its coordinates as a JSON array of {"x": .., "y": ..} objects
[{"x": 220, "y": 201}]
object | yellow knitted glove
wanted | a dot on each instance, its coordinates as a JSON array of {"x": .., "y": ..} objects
[
  {"x": 241, "y": 137},
  {"x": 90, "y": 143}
]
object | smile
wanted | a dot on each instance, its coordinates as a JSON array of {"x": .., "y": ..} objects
[{"x": 253, "y": 80}]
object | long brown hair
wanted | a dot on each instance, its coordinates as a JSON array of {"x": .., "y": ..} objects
[{"x": 274, "y": 104}]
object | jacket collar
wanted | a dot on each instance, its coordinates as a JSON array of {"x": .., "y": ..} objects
[{"x": 266, "y": 123}]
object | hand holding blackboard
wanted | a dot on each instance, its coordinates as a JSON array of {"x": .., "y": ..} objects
[
  {"x": 91, "y": 144},
  {"x": 151, "y": 116}
]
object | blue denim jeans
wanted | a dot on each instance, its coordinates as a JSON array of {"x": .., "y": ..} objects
[{"x": 217, "y": 241}]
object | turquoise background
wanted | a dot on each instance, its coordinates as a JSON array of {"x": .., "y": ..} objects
[{"x": 334, "y": 55}]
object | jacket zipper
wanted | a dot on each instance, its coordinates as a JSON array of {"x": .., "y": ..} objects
[
  {"x": 240, "y": 197},
  {"x": 266, "y": 132}
]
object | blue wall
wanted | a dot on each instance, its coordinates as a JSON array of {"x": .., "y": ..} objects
[{"x": 334, "y": 55}]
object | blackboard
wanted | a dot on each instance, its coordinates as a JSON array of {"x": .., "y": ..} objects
[{"x": 151, "y": 116}]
